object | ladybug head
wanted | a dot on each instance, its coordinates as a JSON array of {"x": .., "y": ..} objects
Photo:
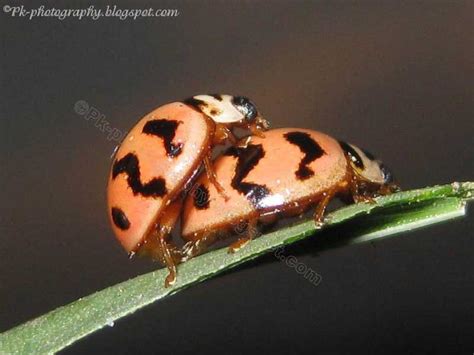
[
  {"x": 246, "y": 107},
  {"x": 250, "y": 114},
  {"x": 229, "y": 110},
  {"x": 367, "y": 166}
]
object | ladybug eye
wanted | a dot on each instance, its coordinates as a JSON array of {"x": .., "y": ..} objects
[
  {"x": 386, "y": 173},
  {"x": 245, "y": 107}
]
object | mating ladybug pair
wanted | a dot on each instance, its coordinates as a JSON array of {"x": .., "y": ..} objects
[{"x": 155, "y": 177}]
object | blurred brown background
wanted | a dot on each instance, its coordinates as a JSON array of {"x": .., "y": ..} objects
[{"x": 393, "y": 77}]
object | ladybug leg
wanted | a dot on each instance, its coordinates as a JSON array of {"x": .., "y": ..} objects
[
  {"x": 250, "y": 233},
  {"x": 245, "y": 142},
  {"x": 363, "y": 199},
  {"x": 256, "y": 130},
  {"x": 258, "y": 127},
  {"x": 359, "y": 191},
  {"x": 364, "y": 191},
  {"x": 211, "y": 174},
  {"x": 197, "y": 247},
  {"x": 389, "y": 189},
  {"x": 322, "y": 205},
  {"x": 223, "y": 134},
  {"x": 163, "y": 251},
  {"x": 168, "y": 258}
]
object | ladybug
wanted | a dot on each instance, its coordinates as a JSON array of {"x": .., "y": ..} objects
[
  {"x": 283, "y": 174},
  {"x": 157, "y": 161}
]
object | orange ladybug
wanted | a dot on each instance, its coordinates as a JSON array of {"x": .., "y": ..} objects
[
  {"x": 285, "y": 173},
  {"x": 157, "y": 162}
]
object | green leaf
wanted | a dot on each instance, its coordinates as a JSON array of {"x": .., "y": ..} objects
[{"x": 350, "y": 225}]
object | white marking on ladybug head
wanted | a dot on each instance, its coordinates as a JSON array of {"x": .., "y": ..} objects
[
  {"x": 225, "y": 108},
  {"x": 373, "y": 170},
  {"x": 369, "y": 167}
]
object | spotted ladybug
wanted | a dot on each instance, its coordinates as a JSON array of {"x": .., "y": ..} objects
[
  {"x": 283, "y": 174},
  {"x": 157, "y": 161}
]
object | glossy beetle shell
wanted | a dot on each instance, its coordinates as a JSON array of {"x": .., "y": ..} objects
[
  {"x": 158, "y": 155},
  {"x": 278, "y": 173}
]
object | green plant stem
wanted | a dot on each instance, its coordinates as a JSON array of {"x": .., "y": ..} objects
[{"x": 389, "y": 215}]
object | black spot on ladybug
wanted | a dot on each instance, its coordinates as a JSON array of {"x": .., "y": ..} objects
[
  {"x": 120, "y": 219},
  {"x": 245, "y": 107},
  {"x": 311, "y": 150},
  {"x": 195, "y": 103},
  {"x": 217, "y": 97},
  {"x": 165, "y": 129},
  {"x": 352, "y": 154},
  {"x": 247, "y": 158},
  {"x": 129, "y": 165},
  {"x": 201, "y": 197}
]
